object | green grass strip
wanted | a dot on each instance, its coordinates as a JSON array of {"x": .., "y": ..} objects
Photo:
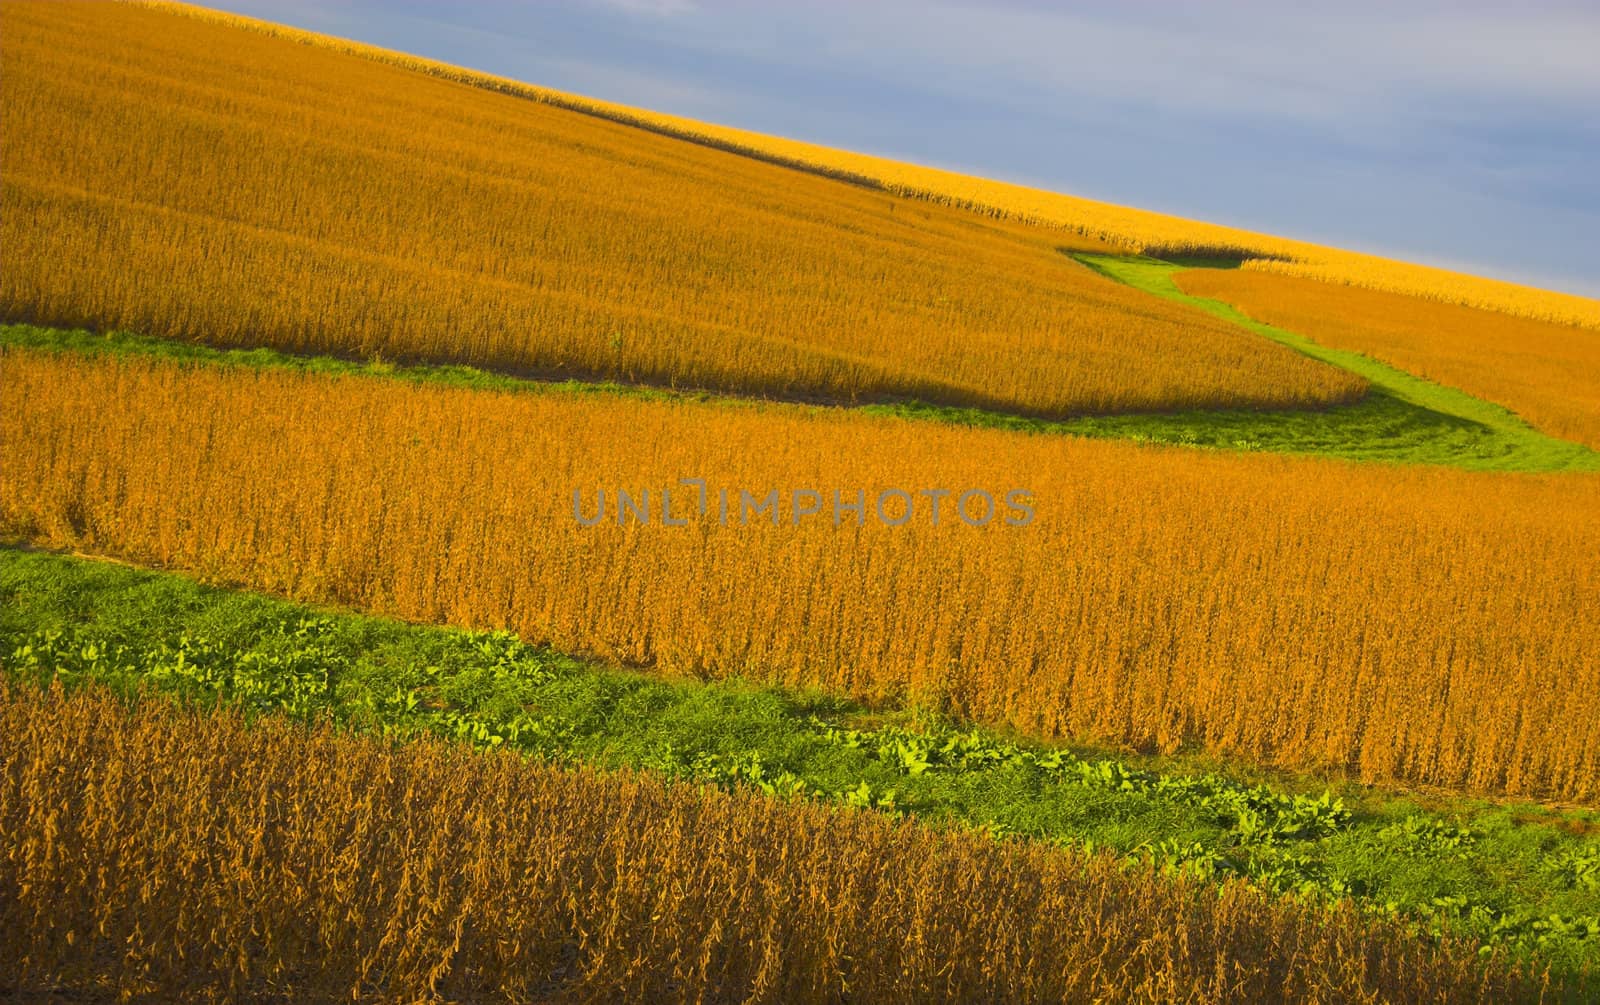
[
  {"x": 1381, "y": 428},
  {"x": 1517, "y": 874},
  {"x": 1405, "y": 418}
]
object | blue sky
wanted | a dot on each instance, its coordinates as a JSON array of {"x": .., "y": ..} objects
[{"x": 1459, "y": 134}]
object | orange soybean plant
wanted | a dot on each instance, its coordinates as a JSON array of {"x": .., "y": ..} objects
[
  {"x": 180, "y": 178},
  {"x": 1122, "y": 226},
  {"x": 1547, "y": 373},
  {"x": 1416, "y": 624},
  {"x": 180, "y": 855}
]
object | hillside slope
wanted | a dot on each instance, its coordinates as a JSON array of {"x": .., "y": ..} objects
[
  {"x": 1137, "y": 230},
  {"x": 1404, "y": 623},
  {"x": 1547, "y": 373},
  {"x": 296, "y": 197}
]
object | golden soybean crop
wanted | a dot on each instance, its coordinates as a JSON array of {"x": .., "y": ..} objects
[
  {"x": 184, "y": 179},
  {"x": 187, "y": 856},
  {"x": 1129, "y": 228},
  {"x": 1418, "y": 624},
  {"x": 1547, "y": 373}
]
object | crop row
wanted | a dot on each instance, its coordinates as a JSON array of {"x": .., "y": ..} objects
[
  {"x": 1428, "y": 625},
  {"x": 1547, "y": 373},
  {"x": 187, "y": 855},
  {"x": 1126, "y": 227},
  {"x": 1265, "y": 829},
  {"x": 293, "y": 197},
  {"x": 156, "y": 633}
]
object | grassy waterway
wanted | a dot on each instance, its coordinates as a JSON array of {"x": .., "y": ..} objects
[
  {"x": 1404, "y": 419},
  {"x": 1515, "y": 873},
  {"x": 1384, "y": 427}
]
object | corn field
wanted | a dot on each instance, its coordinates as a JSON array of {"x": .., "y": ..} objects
[
  {"x": 1128, "y": 228},
  {"x": 1547, "y": 373},
  {"x": 1427, "y": 625},
  {"x": 178, "y": 178},
  {"x": 180, "y": 853}
]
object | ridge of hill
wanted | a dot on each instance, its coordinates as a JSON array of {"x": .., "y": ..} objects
[{"x": 1140, "y": 231}]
